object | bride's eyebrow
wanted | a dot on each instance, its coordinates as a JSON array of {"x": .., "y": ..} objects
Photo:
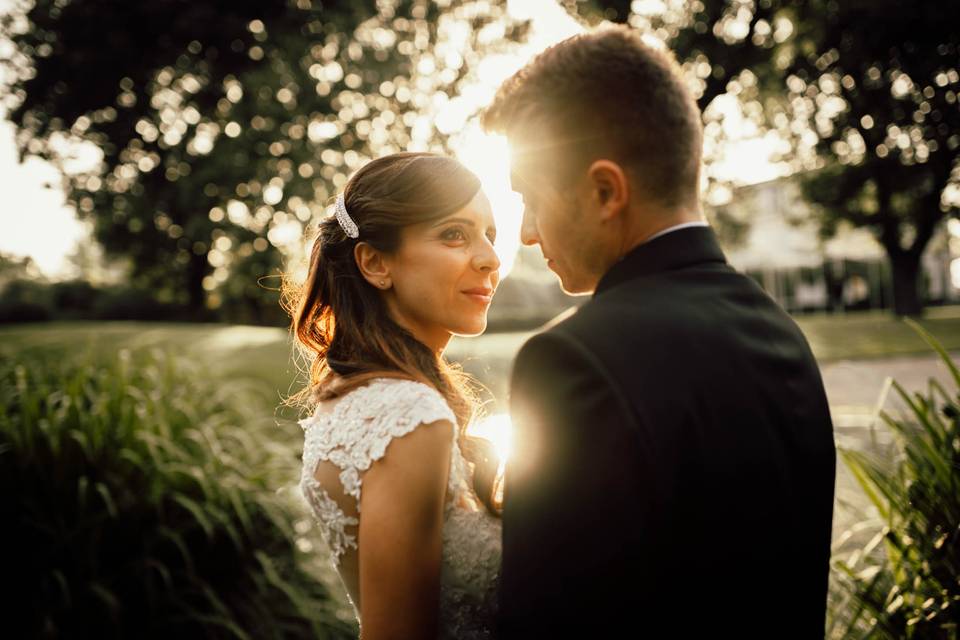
[
  {"x": 461, "y": 220},
  {"x": 466, "y": 221}
]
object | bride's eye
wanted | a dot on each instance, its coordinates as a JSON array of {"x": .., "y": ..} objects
[{"x": 453, "y": 234}]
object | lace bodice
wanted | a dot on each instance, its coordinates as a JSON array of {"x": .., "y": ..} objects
[{"x": 346, "y": 436}]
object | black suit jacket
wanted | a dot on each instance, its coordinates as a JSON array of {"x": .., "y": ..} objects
[{"x": 673, "y": 466}]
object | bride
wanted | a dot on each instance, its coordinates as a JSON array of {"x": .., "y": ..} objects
[{"x": 404, "y": 498}]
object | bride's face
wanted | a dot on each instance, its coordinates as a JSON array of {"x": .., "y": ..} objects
[{"x": 444, "y": 274}]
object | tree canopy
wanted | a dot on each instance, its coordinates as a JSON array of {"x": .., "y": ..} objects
[
  {"x": 224, "y": 127},
  {"x": 874, "y": 87}
]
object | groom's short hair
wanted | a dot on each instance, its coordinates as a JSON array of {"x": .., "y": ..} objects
[{"x": 606, "y": 94}]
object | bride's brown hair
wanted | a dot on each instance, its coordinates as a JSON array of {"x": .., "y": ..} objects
[{"x": 340, "y": 322}]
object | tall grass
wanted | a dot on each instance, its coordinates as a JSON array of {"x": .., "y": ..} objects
[
  {"x": 905, "y": 581},
  {"x": 140, "y": 500}
]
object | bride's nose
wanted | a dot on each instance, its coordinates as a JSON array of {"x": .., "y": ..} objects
[{"x": 486, "y": 258}]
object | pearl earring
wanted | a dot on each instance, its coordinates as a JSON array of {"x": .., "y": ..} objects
[{"x": 383, "y": 283}]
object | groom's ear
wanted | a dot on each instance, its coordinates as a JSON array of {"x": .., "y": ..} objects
[
  {"x": 372, "y": 265},
  {"x": 610, "y": 188}
]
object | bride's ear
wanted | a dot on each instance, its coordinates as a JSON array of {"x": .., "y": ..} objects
[{"x": 372, "y": 265}]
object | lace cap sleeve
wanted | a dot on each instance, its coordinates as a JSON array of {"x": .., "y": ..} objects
[{"x": 363, "y": 423}]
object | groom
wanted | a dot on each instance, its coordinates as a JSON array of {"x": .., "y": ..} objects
[{"x": 673, "y": 464}]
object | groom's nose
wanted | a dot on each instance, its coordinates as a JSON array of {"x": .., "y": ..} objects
[{"x": 528, "y": 228}]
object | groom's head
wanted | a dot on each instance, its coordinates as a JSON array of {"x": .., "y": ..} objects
[{"x": 606, "y": 143}]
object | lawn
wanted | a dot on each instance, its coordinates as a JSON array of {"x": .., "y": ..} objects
[
  {"x": 263, "y": 355},
  {"x": 872, "y": 334}
]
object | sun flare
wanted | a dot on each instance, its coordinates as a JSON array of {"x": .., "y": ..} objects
[
  {"x": 488, "y": 156},
  {"x": 497, "y": 429}
]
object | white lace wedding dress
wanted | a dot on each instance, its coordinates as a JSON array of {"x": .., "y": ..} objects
[{"x": 341, "y": 440}]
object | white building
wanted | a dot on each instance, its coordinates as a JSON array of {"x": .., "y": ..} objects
[{"x": 781, "y": 247}]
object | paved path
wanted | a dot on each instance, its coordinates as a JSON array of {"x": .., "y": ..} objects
[{"x": 854, "y": 386}]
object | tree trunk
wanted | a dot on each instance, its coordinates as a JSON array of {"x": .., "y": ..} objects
[
  {"x": 906, "y": 296},
  {"x": 196, "y": 271}
]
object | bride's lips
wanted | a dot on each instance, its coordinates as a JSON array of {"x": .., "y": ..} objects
[{"x": 480, "y": 294}]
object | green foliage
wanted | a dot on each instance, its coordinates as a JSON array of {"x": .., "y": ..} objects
[
  {"x": 723, "y": 39},
  {"x": 25, "y": 300},
  {"x": 905, "y": 582},
  {"x": 141, "y": 500},
  {"x": 32, "y": 300}
]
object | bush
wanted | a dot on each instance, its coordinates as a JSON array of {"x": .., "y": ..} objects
[
  {"x": 913, "y": 589},
  {"x": 24, "y": 300},
  {"x": 73, "y": 299},
  {"x": 128, "y": 303},
  {"x": 140, "y": 501}
]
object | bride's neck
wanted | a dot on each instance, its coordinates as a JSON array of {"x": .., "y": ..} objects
[{"x": 435, "y": 339}]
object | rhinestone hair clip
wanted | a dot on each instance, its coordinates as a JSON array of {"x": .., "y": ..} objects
[{"x": 346, "y": 222}]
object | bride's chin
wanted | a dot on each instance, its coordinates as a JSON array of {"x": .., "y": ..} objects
[{"x": 472, "y": 329}]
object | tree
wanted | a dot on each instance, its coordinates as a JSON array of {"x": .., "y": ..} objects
[
  {"x": 714, "y": 40},
  {"x": 877, "y": 82},
  {"x": 224, "y": 126},
  {"x": 17, "y": 268}
]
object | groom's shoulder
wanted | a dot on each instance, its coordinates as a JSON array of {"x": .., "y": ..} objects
[
  {"x": 645, "y": 311},
  {"x": 579, "y": 329},
  {"x": 617, "y": 308},
  {"x": 585, "y": 344}
]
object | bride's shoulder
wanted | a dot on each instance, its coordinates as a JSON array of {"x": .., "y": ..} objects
[
  {"x": 391, "y": 391},
  {"x": 389, "y": 398}
]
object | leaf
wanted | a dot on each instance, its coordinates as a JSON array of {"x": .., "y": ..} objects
[
  {"x": 133, "y": 457},
  {"x": 224, "y": 622},
  {"x": 161, "y": 569},
  {"x": 194, "y": 508},
  {"x": 922, "y": 410},
  {"x": 83, "y": 440},
  {"x": 104, "y": 492},
  {"x": 174, "y": 537},
  {"x": 935, "y": 344},
  {"x": 857, "y": 464},
  {"x": 106, "y": 596},
  {"x": 240, "y": 509},
  {"x": 933, "y": 456},
  {"x": 83, "y": 486},
  {"x": 64, "y": 587},
  {"x": 274, "y": 578}
]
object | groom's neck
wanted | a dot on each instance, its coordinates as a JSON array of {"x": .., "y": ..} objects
[{"x": 646, "y": 222}]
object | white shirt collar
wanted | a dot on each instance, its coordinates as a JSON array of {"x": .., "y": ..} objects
[{"x": 677, "y": 227}]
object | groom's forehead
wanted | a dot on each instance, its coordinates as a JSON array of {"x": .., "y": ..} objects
[
  {"x": 523, "y": 181},
  {"x": 534, "y": 155},
  {"x": 525, "y": 161},
  {"x": 533, "y": 171},
  {"x": 516, "y": 182}
]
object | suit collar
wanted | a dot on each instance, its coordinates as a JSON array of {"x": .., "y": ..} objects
[{"x": 670, "y": 251}]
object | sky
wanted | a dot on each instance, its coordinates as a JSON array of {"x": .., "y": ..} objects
[{"x": 35, "y": 221}]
